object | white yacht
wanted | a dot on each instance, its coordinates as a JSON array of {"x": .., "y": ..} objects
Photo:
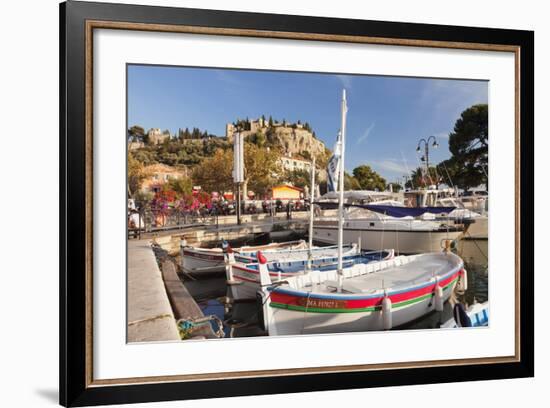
[
  {"x": 380, "y": 220},
  {"x": 478, "y": 220}
]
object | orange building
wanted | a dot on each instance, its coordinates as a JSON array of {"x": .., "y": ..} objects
[{"x": 286, "y": 192}]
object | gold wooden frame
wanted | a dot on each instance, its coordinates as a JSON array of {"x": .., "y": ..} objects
[{"x": 99, "y": 24}]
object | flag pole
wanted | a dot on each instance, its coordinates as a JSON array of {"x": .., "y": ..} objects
[
  {"x": 311, "y": 195},
  {"x": 341, "y": 191}
]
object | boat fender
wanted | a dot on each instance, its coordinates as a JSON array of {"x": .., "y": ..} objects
[
  {"x": 462, "y": 285},
  {"x": 461, "y": 317},
  {"x": 386, "y": 312},
  {"x": 438, "y": 297}
]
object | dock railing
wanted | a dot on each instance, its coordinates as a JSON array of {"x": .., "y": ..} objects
[{"x": 147, "y": 220}]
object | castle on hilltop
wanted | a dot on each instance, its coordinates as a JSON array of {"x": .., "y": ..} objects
[
  {"x": 295, "y": 138},
  {"x": 252, "y": 126}
]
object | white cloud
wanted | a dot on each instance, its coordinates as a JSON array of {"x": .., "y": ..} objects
[
  {"x": 442, "y": 135},
  {"x": 392, "y": 166},
  {"x": 453, "y": 96},
  {"x": 366, "y": 133}
]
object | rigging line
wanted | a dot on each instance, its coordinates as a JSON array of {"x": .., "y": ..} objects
[
  {"x": 407, "y": 167},
  {"x": 438, "y": 177},
  {"x": 448, "y": 175},
  {"x": 484, "y": 172},
  {"x": 249, "y": 318},
  {"x": 475, "y": 243}
]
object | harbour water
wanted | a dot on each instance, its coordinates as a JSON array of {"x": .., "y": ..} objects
[{"x": 241, "y": 318}]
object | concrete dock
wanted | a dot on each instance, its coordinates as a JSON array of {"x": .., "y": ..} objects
[{"x": 150, "y": 316}]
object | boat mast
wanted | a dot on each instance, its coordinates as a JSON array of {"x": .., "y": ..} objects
[
  {"x": 311, "y": 196},
  {"x": 341, "y": 191}
]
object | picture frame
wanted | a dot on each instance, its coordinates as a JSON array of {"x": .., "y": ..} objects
[{"x": 78, "y": 20}]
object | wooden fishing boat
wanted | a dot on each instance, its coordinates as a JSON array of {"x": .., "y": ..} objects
[
  {"x": 363, "y": 296},
  {"x": 211, "y": 260},
  {"x": 373, "y": 296},
  {"x": 244, "y": 278}
]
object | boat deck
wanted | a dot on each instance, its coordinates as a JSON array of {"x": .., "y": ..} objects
[
  {"x": 400, "y": 276},
  {"x": 396, "y": 274}
]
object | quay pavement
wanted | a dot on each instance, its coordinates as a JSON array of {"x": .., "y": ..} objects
[{"x": 150, "y": 316}]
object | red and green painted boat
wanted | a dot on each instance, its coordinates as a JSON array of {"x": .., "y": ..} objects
[{"x": 374, "y": 296}]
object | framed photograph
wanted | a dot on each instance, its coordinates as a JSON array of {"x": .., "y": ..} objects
[{"x": 258, "y": 204}]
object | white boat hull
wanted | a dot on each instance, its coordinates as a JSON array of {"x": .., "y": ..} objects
[
  {"x": 402, "y": 241},
  {"x": 211, "y": 260},
  {"x": 289, "y": 322},
  {"x": 197, "y": 262},
  {"x": 479, "y": 229}
]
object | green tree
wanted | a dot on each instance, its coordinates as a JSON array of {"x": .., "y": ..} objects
[
  {"x": 136, "y": 133},
  {"x": 299, "y": 177},
  {"x": 136, "y": 174},
  {"x": 469, "y": 146},
  {"x": 261, "y": 168},
  {"x": 396, "y": 187},
  {"x": 418, "y": 178},
  {"x": 270, "y": 121},
  {"x": 186, "y": 134},
  {"x": 196, "y": 134},
  {"x": 368, "y": 179},
  {"x": 181, "y": 185},
  {"x": 350, "y": 182},
  {"x": 215, "y": 173},
  {"x": 258, "y": 138}
]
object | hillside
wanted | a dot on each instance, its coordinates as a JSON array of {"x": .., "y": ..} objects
[{"x": 296, "y": 140}]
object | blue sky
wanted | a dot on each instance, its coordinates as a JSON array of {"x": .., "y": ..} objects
[{"x": 386, "y": 115}]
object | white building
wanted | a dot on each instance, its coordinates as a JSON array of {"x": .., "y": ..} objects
[{"x": 293, "y": 163}]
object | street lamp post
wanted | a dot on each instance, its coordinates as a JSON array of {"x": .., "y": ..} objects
[
  {"x": 426, "y": 157},
  {"x": 238, "y": 171}
]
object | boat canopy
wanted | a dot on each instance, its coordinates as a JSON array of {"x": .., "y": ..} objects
[
  {"x": 391, "y": 210},
  {"x": 400, "y": 212},
  {"x": 359, "y": 195}
]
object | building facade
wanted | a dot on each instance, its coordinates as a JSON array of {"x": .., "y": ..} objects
[
  {"x": 159, "y": 174},
  {"x": 156, "y": 136},
  {"x": 285, "y": 192}
]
